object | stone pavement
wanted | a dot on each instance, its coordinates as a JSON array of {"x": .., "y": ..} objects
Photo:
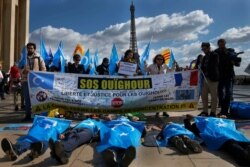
[{"x": 87, "y": 157}]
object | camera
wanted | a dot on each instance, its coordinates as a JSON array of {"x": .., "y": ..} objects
[{"x": 234, "y": 56}]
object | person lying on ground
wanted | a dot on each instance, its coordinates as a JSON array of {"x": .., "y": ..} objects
[
  {"x": 37, "y": 138},
  {"x": 84, "y": 132},
  {"x": 118, "y": 141},
  {"x": 221, "y": 134},
  {"x": 173, "y": 134}
]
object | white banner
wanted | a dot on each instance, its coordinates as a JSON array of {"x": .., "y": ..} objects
[{"x": 114, "y": 94}]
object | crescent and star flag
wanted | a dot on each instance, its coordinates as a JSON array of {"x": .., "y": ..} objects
[
  {"x": 43, "y": 80},
  {"x": 216, "y": 131},
  {"x": 120, "y": 134},
  {"x": 89, "y": 124},
  {"x": 44, "y": 128}
]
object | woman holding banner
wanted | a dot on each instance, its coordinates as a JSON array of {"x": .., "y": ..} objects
[
  {"x": 158, "y": 67},
  {"x": 128, "y": 65}
]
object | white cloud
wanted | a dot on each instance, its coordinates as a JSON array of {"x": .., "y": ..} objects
[
  {"x": 236, "y": 35},
  {"x": 176, "y": 27}
]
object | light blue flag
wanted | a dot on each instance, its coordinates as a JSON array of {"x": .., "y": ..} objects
[
  {"x": 23, "y": 58},
  {"x": 144, "y": 57},
  {"x": 44, "y": 54},
  {"x": 44, "y": 128},
  {"x": 63, "y": 62},
  {"x": 174, "y": 129},
  {"x": 49, "y": 58},
  {"x": 216, "y": 131},
  {"x": 96, "y": 58},
  {"x": 114, "y": 58},
  {"x": 93, "y": 69},
  {"x": 85, "y": 61},
  {"x": 60, "y": 44},
  {"x": 120, "y": 134},
  {"x": 90, "y": 124},
  {"x": 57, "y": 57},
  {"x": 171, "y": 61}
]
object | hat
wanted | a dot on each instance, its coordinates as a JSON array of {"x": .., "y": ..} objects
[{"x": 206, "y": 44}]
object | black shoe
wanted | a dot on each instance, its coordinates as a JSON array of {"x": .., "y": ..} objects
[
  {"x": 221, "y": 115},
  {"x": 165, "y": 114},
  {"x": 9, "y": 149},
  {"x": 192, "y": 145},
  {"x": 203, "y": 114},
  {"x": 60, "y": 153},
  {"x": 157, "y": 115},
  {"x": 36, "y": 150},
  {"x": 52, "y": 150},
  {"x": 109, "y": 157},
  {"x": 128, "y": 157},
  {"x": 179, "y": 144},
  {"x": 212, "y": 114}
]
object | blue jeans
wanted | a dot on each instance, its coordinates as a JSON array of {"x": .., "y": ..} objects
[
  {"x": 26, "y": 95},
  {"x": 23, "y": 146},
  {"x": 225, "y": 90},
  {"x": 76, "y": 138}
]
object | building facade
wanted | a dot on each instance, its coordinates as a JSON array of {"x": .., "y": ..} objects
[{"x": 14, "y": 30}]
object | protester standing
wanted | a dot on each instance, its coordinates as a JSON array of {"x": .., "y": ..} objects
[
  {"x": 34, "y": 63},
  {"x": 225, "y": 87},
  {"x": 158, "y": 67},
  {"x": 76, "y": 67},
  {"x": 103, "y": 69},
  {"x": 210, "y": 70}
]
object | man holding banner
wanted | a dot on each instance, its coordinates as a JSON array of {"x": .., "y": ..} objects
[{"x": 32, "y": 62}]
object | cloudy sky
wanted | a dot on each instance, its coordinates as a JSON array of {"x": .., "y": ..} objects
[{"x": 177, "y": 24}]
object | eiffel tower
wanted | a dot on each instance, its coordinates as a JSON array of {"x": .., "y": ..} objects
[{"x": 133, "y": 41}]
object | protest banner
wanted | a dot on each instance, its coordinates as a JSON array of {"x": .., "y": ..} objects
[{"x": 176, "y": 91}]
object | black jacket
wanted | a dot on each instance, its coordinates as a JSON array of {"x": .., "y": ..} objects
[
  {"x": 102, "y": 70},
  {"x": 210, "y": 66},
  {"x": 226, "y": 68},
  {"x": 79, "y": 69}
]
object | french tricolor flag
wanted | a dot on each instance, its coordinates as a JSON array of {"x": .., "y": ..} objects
[{"x": 188, "y": 76}]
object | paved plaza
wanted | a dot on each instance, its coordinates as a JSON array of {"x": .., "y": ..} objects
[{"x": 86, "y": 155}]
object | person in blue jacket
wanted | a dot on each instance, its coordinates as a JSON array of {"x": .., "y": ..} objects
[
  {"x": 118, "y": 141},
  {"x": 37, "y": 138},
  {"x": 219, "y": 133},
  {"x": 181, "y": 138},
  {"x": 84, "y": 132}
]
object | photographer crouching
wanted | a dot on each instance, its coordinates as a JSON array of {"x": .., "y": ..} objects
[{"x": 227, "y": 60}]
